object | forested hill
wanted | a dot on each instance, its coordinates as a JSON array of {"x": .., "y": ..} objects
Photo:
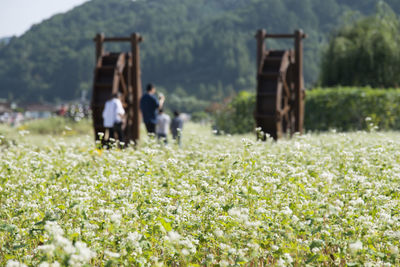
[
  {"x": 204, "y": 48},
  {"x": 4, "y": 40}
]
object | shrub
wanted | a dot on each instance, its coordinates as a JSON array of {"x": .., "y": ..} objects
[
  {"x": 347, "y": 109},
  {"x": 236, "y": 117}
]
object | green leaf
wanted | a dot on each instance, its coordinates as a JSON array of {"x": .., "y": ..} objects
[
  {"x": 311, "y": 259},
  {"x": 167, "y": 226}
]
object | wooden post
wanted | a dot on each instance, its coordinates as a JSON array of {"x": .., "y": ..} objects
[
  {"x": 136, "y": 85},
  {"x": 299, "y": 83},
  {"x": 99, "y": 39},
  {"x": 260, "y": 36},
  {"x": 260, "y": 48}
]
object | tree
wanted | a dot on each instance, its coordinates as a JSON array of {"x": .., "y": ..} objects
[{"x": 366, "y": 52}]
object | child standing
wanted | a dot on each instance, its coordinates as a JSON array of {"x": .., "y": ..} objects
[
  {"x": 163, "y": 121},
  {"x": 176, "y": 127}
]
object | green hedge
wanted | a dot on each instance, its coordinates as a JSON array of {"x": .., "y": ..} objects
[
  {"x": 342, "y": 108},
  {"x": 236, "y": 116},
  {"x": 347, "y": 109}
]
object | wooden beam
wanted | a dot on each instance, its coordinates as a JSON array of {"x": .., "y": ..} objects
[
  {"x": 99, "y": 39},
  {"x": 136, "y": 85},
  {"x": 299, "y": 83},
  {"x": 121, "y": 39},
  {"x": 117, "y": 39},
  {"x": 283, "y": 36},
  {"x": 260, "y": 36}
]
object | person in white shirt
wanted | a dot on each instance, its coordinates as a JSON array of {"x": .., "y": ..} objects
[
  {"x": 163, "y": 121},
  {"x": 113, "y": 115}
]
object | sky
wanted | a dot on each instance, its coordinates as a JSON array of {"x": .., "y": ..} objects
[{"x": 17, "y": 16}]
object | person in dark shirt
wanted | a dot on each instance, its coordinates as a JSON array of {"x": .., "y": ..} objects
[
  {"x": 176, "y": 127},
  {"x": 149, "y": 105}
]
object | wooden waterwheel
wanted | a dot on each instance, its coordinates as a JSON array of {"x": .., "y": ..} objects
[
  {"x": 280, "y": 87},
  {"x": 117, "y": 72}
]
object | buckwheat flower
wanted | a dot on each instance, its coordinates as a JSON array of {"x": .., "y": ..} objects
[
  {"x": 385, "y": 216},
  {"x": 258, "y": 189},
  {"x": 46, "y": 264},
  {"x": 261, "y": 210},
  {"x": 23, "y": 132},
  {"x": 224, "y": 247},
  {"x": 281, "y": 262},
  {"x": 112, "y": 254},
  {"x": 253, "y": 246},
  {"x": 53, "y": 228},
  {"x": 356, "y": 246},
  {"x": 297, "y": 145},
  {"x": 116, "y": 218},
  {"x": 232, "y": 251},
  {"x": 288, "y": 258},
  {"x": 218, "y": 232},
  {"x": 325, "y": 232},
  {"x": 134, "y": 238},
  {"x": 286, "y": 211},
  {"x": 82, "y": 255},
  {"x": 185, "y": 252},
  {"x": 234, "y": 212},
  {"x": 12, "y": 263},
  {"x": 48, "y": 249},
  {"x": 315, "y": 250},
  {"x": 64, "y": 243},
  {"x": 338, "y": 203},
  {"x": 394, "y": 250},
  {"x": 357, "y": 202},
  {"x": 223, "y": 263},
  {"x": 173, "y": 237},
  {"x": 251, "y": 223}
]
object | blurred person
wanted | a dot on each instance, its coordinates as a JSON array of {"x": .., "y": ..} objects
[
  {"x": 63, "y": 110},
  {"x": 149, "y": 105},
  {"x": 16, "y": 119},
  {"x": 176, "y": 127},
  {"x": 113, "y": 115},
  {"x": 120, "y": 113},
  {"x": 163, "y": 121}
]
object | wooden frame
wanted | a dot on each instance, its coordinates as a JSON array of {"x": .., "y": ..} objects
[{"x": 280, "y": 86}]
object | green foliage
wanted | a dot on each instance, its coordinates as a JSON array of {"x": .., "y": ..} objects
[
  {"x": 366, "y": 52},
  {"x": 58, "y": 126},
  {"x": 205, "y": 47},
  {"x": 343, "y": 109},
  {"x": 348, "y": 109},
  {"x": 200, "y": 116},
  {"x": 186, "y": 104},
  {"x": 236, "y": 117},
  {"x": 5, "y": 142}
]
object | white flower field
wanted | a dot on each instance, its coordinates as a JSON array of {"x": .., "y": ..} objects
[{"x": 319, "y": 200}]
